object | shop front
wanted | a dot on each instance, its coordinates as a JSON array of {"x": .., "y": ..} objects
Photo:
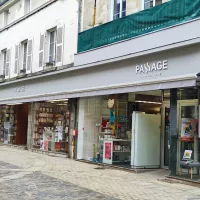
[
  {"x": 14, "y": 124},
  {"x": 143, "y": 113},
  {"x": 119, "y": 129},
  {"x": 133, "y": 130},
  {"x": 51, "y": 125}
]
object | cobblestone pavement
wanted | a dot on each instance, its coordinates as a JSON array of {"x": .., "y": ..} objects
[{"x": 27, "y": 175}]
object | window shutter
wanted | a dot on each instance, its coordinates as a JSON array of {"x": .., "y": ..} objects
[
  {"x": 16, "y": 59},
  {"x": 7, "y": 68},
  {"x": 1, "y": 64},
  {"x": 41, "y": 51},
  {"x": 29, "y": 56},
  {"x": 59, "y": 45}
]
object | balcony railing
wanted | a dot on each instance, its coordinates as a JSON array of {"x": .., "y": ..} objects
[{"x": 161, "y": 16}]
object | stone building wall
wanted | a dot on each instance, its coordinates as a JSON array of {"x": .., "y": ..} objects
[{"x": 103, "y": 11}]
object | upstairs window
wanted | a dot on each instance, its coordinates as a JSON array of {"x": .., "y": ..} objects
[
  {"x": 52, "y": 46},
  {"x": 27, "y": 5},
  {"x": 25, "y": 49},
  {"x": 5, "y": 62},
  {"x": 119, "y": 9},
  {"x": 4, "y": 53},
  {"x": 151, "y": 3}
]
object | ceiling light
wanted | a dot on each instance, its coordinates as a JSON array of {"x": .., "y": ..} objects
[
  {"x": 14, "y": 104},
  {"x": 150, "y": 102}
]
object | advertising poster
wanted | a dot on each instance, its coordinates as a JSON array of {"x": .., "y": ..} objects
[
  {"x": 46, "y": 145},
  {"x": 188, "y": 128},
  {"x": 187, "y": 154},
  {"x": 108, "y": 150}
]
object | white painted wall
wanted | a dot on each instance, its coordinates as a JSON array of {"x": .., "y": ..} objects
[
  {"x": 15, "y": 12},
  {"x": 65, "y": 12},
  {"x": 37, "y": 3}
]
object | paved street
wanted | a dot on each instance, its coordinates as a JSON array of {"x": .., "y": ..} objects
[{"x": 27, "y": 175}]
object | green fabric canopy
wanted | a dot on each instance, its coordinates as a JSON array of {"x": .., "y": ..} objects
[{"x": 146, "y": 21}]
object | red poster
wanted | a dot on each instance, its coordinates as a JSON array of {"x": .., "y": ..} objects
[
  {"x": 46, "y": 145},
  {"x": 58, "y": 146},
  {"x": 108, "y": 150}
]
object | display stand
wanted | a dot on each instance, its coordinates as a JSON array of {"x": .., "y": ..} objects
[
  {"x": 48, "y": 140},
  {"x": 117, "y": 151}
]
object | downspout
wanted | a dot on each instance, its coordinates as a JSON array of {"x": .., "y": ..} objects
[
  {"x": 94, "y": 17},
  {"x": 79, "y": 15}
]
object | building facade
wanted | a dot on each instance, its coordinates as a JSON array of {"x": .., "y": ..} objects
[
  {"x": 38, "y": 39},
  {"x": 129, "y": 96},
  {"x": 140, "y": 105}
]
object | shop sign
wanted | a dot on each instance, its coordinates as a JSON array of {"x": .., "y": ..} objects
[
  {"x": 19, "y": 89},
  {"x": 152, "y": 69}
]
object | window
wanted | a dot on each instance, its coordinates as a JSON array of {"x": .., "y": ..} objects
[
  {"x": 4, "y": 52},
  {"x": 6, "y": 14},
  {"x": 24, "y": 52},
  {"x": 151, "y": 3},
  {"x": 52, "y": 46},
  {"x": 27, "y": 4},
  {"x": 6, "y": 62},
  {"x": 119, "y": 9}
]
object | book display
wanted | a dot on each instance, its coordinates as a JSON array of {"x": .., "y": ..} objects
[
  {"x": 2, "y": 120},
  {"x": 51, "y": 127},
  {"x": 8, "y": 124}
]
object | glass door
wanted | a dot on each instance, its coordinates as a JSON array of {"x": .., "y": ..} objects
[
  {"x": 187, "y": 115},
  {"x": 165, "y": 135}
]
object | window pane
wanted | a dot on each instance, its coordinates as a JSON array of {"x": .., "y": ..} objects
[
  {"x": 148, "y": 4},
  {"x": 116, "y": 14},
  {"x": 52, "y": 36},
  {"x": 123, "y": 5},
  {"x": 25, "y": 55},
  {"x": 157, "y": 2},
  {"x": 4, "y": 61},
  {"x": 51, "y": 58},
  {"x": 188, "y": 112},
  {"x": 51, "y": 49}
]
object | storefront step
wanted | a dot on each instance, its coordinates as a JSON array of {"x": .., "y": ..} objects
[
  {"x": 185, "y": 181},
  {"x": 107, "y": 166},
  {"x": 53, "y": 154}
]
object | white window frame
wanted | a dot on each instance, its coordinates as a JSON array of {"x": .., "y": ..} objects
[
  {"x": 143, "y": 2},
  {"x": 112, "y": 9},
  {"x": 23, "y": 53},
  {"x": 49, "y": 43}
]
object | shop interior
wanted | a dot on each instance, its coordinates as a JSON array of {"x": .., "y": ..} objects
[
  {"x": 108, "y": 126},
  {"x": 14, "y": 124},
  {"x": 51, "y": 127},
  {"x": 132, "y": 130}
]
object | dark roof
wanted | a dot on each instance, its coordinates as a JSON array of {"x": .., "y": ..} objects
[{"x": 3, "y": 2}]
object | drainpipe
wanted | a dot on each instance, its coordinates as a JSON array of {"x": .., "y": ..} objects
[
  {"x": 94, "y": 17},
  {"x": 79, "y": 15}
]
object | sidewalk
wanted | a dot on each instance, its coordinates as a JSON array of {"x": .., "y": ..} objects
[{"x": 120, "y": 184}]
